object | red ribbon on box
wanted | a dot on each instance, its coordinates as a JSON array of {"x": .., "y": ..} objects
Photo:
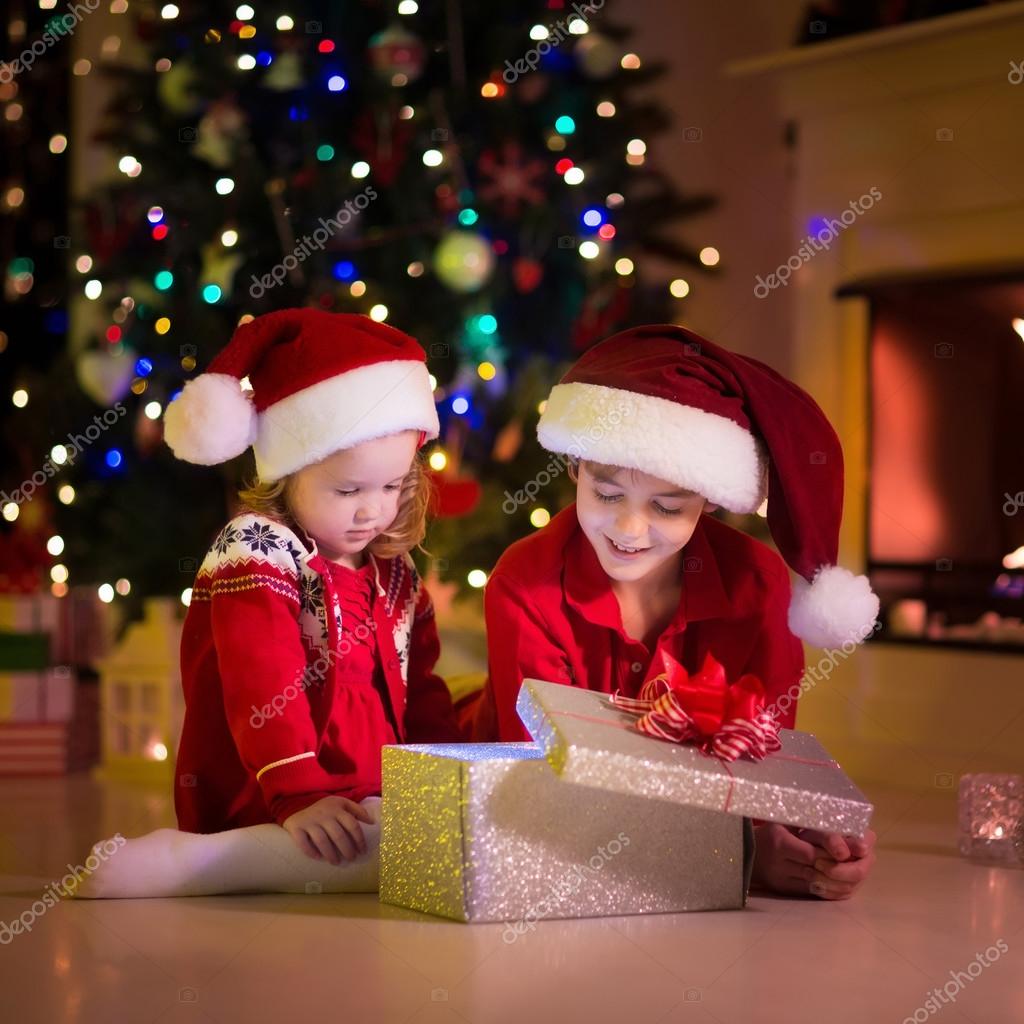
[{"x": 722, "y": 720}]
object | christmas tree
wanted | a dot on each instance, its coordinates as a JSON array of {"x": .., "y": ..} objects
[
  {"x": 475, "y": 174},
  {"x": 34, "y": 245}
]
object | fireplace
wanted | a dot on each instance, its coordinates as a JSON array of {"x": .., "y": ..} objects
[{"x": 945, "y": 501}]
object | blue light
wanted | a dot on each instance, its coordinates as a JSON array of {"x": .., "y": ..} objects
[
  {"x": 344, "y": 270},
  {"x": 174, "y": 396},
  {"x": 264, "y": 58},
  {"x": 336, "y": 83},
  {"x": 113, "y": 458},
  {"x": 487, "y": 324},
  {"x": 565, "y": 125},
  {"x": 56, "y": 321},
  {"x": 816, "y": 225},
  {"x": 211, "y": 293},
  {"x": 143, "y": 368},
  {"x": 593, "y": 217},
  {"x": 556, "y": 60},
  {"x": 460, "y": 406},
  {"x": 298, "y": 113}
]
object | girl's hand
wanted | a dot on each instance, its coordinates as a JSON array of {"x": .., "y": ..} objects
[
  {"x": 802, "y": 861},
  {"x": 329, "y": 829}
]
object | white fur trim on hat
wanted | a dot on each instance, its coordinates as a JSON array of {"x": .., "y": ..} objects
[
  {"x": 343, "y": 411},
  {"x": 836, "y": 608},
  {"x": 211, "y": 421},
  {"x": 692, "y": 448}
]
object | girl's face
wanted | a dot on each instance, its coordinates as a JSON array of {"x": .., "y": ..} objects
[
  {"x": 352, "y": 496},
  {"x": 634, "y": 521}
]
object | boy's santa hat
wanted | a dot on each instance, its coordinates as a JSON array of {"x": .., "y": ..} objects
[
  {"x": 665, "y": 401},
  {"x": 320, "y": 382}
]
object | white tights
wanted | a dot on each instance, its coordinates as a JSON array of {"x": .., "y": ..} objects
[{"x": 260, "y": 858}]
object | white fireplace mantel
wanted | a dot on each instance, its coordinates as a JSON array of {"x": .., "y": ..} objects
[{"x": 985, "y": 25}]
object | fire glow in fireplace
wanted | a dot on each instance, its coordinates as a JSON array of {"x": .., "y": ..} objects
[{"x": 945, "y": 515}]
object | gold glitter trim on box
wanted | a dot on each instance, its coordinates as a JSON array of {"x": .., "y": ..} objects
[{"x": 421, "y": 832}]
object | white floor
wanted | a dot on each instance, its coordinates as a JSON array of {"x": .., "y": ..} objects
[{"x": 923, "y": 914}]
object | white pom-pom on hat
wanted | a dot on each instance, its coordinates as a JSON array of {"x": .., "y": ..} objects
[
  {"x": 835, "y": 608},
  {"x": 211, "y": 421}
]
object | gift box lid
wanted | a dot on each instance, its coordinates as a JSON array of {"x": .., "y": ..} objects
[{"x": 589, "y": 741}]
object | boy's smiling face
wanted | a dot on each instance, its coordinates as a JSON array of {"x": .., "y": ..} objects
[{"x": 635, "y": 522}]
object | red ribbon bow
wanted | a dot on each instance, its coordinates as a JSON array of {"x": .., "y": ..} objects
[{"x": 726, "y": 721}]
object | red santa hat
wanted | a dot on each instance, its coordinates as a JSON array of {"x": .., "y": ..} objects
[
  {"x": 320, "y": 382},
  {"x": 667, "y": 402}
]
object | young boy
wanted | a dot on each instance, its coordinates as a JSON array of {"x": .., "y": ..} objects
[{"x": 659, "y": 426}]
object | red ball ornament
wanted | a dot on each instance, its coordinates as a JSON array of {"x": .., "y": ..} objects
[
  {"x": 454, "y": 496},
  {"x": 395, "y": 51},
  {"x": 527, "y": 274},
  {"x": 149, "y": 435}
]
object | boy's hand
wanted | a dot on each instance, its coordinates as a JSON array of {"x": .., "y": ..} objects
[
  {"x": 329, "y": 829},
  {"x": 805, "y": 861}
]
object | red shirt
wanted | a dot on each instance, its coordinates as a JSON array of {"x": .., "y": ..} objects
[
  {"x": 552, "y": 615},
  {"x": 296, "y": 672}
]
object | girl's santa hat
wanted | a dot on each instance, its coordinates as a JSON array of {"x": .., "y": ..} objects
[
  {"x": 320, "y": 382},
  {"x": 665, "y": 401}
]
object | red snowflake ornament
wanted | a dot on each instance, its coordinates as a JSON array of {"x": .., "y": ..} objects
[{"x": 510, "y": 181}]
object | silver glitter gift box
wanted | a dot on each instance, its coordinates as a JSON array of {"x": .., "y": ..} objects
[
  {"x": 590, "y": 742},
  {"x": 488, "y": 832}
]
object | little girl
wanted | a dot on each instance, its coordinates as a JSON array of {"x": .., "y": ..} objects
[
  {"x": 656, "y": 424},
  {"x": 309, "y": 642}
]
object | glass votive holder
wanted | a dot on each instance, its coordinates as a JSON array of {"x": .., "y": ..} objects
[{"x": 992, "y": 818}]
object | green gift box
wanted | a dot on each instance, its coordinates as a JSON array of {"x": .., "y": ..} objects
[{"x": 24, "y": 652}]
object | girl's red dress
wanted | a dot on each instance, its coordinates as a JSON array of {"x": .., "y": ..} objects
[{"x": 296, "y": 671}]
